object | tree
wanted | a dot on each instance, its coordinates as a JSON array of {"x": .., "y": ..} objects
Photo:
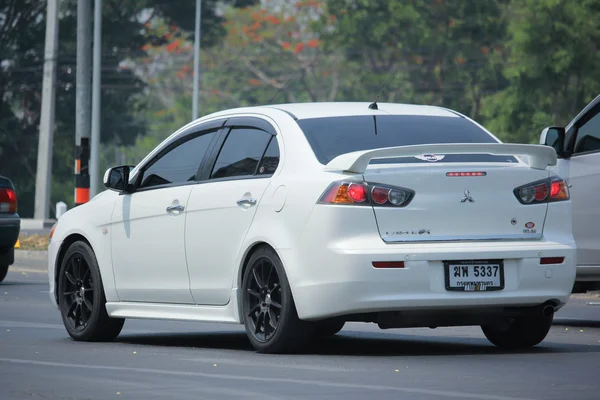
[
  {"x": 442, "y": 52},
  {"x": 552, "y": 67}
]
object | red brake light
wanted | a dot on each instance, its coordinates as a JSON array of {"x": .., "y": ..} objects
[
  {"x": 367, "y": 194},
  {"x": 547, "y": 190},
  {"x": 8, "y": 200},
  {"x": 357, "y": 192},
  {"x": 478, "y": 173}
]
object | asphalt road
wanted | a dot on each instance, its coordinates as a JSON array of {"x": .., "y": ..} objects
[{"x": 177, "y": 360}]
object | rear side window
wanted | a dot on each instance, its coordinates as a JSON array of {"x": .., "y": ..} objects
[
  {"x": 178, "y": 165},
  {"x": 588, "y": 136},
  {"x": 270, "y": 160},
  {"x": 242, "y": 151},
  {"x": 329, "y": 137}
]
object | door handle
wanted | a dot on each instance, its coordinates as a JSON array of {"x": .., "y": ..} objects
[
  {"x": 175, "y": 208},
  {"x": 246, "y": 201}
]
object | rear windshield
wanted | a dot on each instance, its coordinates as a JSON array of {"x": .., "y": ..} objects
[{"x": 331, "y": 136}]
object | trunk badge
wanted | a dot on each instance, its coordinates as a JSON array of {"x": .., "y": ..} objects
[
  {"x": 430, "y": 157},
  {"x": 467, "y": 197}
]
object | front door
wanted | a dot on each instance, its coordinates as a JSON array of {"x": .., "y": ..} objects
[
  {"x": 584, "y": 181},
  {"x": 148, "y": 226},
  {"x": 221, "y": 210}
]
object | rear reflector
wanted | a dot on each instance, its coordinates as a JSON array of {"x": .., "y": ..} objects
[
  {"x": 479, "y": 173},
  {"x": 551, "y": 260},
  {"x": 388, "y": 264}
]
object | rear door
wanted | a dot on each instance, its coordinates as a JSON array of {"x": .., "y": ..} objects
[
  {"x": 584, "y": 178},
  {"x": 222, "y": 207}
]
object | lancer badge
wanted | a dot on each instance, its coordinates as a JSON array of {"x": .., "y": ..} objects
[{"x": 467, "y": 197}]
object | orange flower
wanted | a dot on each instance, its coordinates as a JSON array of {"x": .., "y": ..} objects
[
  {"x": 254, "y": 82},
  {"x": 173, "y": 45},
  {"x": 460, "y": 60},
  {"x": 146, "y": 47},
  {"x": 286, "y": 45},
  {"x": 299, "y": 48},
  {"x": 273, "y": 19},
  {"x": 312, "y": 43},
  {"x": 214, "y": 92},
  {"x": 484, "y": 50},
  {"x": 291, "y": 18},
  {"x": 233, "y": 31}
]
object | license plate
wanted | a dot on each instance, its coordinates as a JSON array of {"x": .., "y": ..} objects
[{"x": 475, "y": 275}]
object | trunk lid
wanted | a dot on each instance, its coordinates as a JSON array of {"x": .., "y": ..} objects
[{"x": 458, "y": 207}]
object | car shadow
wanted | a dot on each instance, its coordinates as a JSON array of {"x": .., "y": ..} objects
[
  {"x": 356, "y": 343},
  {"x": 578, "y": 323}
]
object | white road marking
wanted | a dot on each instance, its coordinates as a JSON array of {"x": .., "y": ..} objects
[{"x": 439, "y": 393}]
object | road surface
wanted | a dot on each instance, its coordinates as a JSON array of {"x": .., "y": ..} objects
[{"x": 177, "y": 360}]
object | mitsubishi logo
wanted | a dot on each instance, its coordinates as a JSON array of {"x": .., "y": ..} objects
[{"x": 467, "y": 197}]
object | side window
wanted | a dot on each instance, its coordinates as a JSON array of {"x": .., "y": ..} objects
[
  {"x": 270, "y": 160},
  {"x": 178, "y": 165},
  {"x": 588, "y": 136},
  {"x": 241, "y": 153}
]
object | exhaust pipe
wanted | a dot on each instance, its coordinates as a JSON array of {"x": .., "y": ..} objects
[{"x": 548, "y": 311}]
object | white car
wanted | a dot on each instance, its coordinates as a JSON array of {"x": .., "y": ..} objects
[
  {"x": 294, "y": 219},
  {"x": 578, "y": 149}
]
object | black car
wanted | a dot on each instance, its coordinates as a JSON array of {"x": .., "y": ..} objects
[{"x": 10, "y": 225}]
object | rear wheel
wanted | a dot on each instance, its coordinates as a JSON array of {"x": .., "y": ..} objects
[
  {"x": 81, "y": 297},
  {"x": 519, "y": 333},
  {"x": 269, "y": 312},
  {"x": 3, "y": 272}
]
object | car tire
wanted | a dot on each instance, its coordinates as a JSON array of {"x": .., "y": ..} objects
[
  {"x": 3, "y": 272},
  {"x": 81, "y": 297},
  {"x": 520, "y": 333},
  {"x": 329, "y": 327},
  {"x": 268, "y": 308}
]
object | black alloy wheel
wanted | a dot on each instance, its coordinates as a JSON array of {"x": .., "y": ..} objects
[
  {"x": 268, "y": 308},
  {"x": 264, "y": 299},
  {"x": 81, "y": 297},
  {"x": 78, "y": 292}
]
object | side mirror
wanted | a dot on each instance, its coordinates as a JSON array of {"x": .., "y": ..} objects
[
  {"x": 117, "y": 178},
  {"x": 554, "y": 136}
]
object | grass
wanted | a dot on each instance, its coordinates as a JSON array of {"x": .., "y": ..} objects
[{"x": 33, "y": 242}]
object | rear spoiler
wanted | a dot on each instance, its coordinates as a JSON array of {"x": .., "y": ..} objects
[{"x": 539, "y": 156}]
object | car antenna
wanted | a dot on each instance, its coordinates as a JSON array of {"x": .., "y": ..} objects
[{"x": 373, "y": 105}]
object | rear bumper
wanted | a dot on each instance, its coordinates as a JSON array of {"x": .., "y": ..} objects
[
  {"x": 10, "y": 227},
  {"x": 337, "y": 281}
]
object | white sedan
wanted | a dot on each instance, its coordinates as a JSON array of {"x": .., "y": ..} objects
[{"x": 294, "y": 219}]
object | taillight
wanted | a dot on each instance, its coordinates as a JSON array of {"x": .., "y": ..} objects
[
  {"x": 367, "y": 194},
  {"x": 8, "y": 200},
  {"x": 544, "y": 191}
]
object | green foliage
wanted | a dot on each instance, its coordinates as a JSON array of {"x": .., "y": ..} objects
[{"x": 516, "y": 66}]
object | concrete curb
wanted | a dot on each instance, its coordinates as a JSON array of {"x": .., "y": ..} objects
[{"x": 26, "y": 255}]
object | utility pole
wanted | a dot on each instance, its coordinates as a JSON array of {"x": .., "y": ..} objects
[
  {"x": 46, "y": 137},
  {"x": 96, "y": 92},
  {"x": 196, "y": 60},
  {"x": 82, "y": 105}
]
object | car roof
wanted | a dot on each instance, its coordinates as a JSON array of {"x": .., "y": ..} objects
[{"x": 341, "y": 109}]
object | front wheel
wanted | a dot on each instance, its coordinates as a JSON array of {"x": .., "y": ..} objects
[
  {"x": 269, "y": 312},
  {"x": 81, "y": 297},
  {"x": 522, "y": 332}
]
